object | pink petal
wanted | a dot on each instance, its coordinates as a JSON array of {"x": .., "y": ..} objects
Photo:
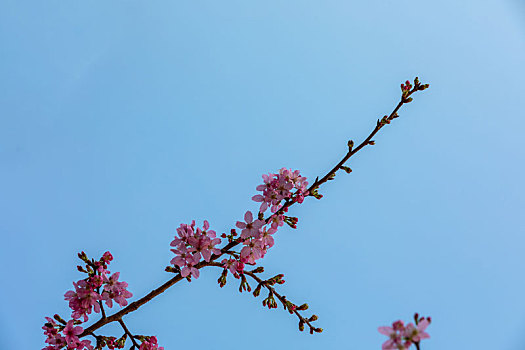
[
  {"x": 423, "y": 335},
  {"x": 423, "y": 325},
  {"x": 258, "y": 198},
  {"x": 240, "y": 225},
  {"x": 248, "y": 217},
  {"x": 185, "y": 271},
  {"x": 385, "y": 330}
]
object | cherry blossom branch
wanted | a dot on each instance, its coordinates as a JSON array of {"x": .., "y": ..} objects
[
  {"x": 405, "y": 98},
  {"x": 194, "y": 244}
]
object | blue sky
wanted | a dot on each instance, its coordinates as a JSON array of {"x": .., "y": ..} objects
[{"x": 120, "y": 120}]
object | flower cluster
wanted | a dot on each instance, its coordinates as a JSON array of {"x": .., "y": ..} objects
[
  {"x": 85, "y": 298},
  {"x": 257, "y": 234},
  {"x": 256, "y": 238},
  {"x": 407, "y": 86},
  {"x": 115, "y": 290},
  {"x": 234, "y": 266},
  {"x": 64, "y": 335},
  {"x": 279, "y": 187},
  {"x": 88, "y": 295},
  {"x": 401, "y": 337},
  {"x": 191, "y": 245}
]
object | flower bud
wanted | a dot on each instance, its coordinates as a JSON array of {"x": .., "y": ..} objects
[
  {"x": 59, "y": 319},
  {"x": 258, "y": 270},
  {"x": 347, "y": 169},
  {"x": 107, "y": 257},
  {"x": 257, "y": 290},
  {"x": 303, "y": 307}
]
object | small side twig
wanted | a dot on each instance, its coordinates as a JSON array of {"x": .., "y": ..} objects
[
  {"x": 283, "y": 300},
  {"x": 128, "y": 333},
  {"x": 102, "y": 309}
]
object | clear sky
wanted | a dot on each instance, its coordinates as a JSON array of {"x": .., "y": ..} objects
[{"x": 122, "y": 119}]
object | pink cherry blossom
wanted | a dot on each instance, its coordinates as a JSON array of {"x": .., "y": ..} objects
[
  {"x": 60, "y": 337},
  {"x": 395, "y": 333},
  {"x": 150, "y": 344},
  {"x": 204, "y": 245},
  {"x": 84, "y": 344},
  {"x": 50, "y": 327},
  {"x": 278, "y": 187},
  {"x": 83, "y": 300},
  {"x": 253, "y": 250},
  {"x": 107, "y": 257},
  {"x": 235, "y": 266},
  {"x": 250, "y": 228},
  {"x": 277, "y": 221},
  {"x": 115, "y": 290},
  {"x": 183, "y": 255},
  {"x": 191, "y": 244},
  {"x": 96, "y": 281},
  {"x": 190, "y": 269},
  {"x": 184, "y": 231},
  {"x": 55, "y": 342},
  {"x": 71, "y": 332},
  {"x": 54, "y": 338},
  {"x": 401, "y": 337},
  {"x": 209, "y": 248},
  {"x": 416, "y": 333},
  {"x": 265, "y": 237}
]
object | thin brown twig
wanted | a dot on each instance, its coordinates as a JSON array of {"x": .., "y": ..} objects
[
  {"x": 97, "y": 338},
  {"x": 128, "y": 333},
  {"x": 102, "y": 309},
  {"x": 134, "y": 305},
  {"x": 138, "y": 303}
]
